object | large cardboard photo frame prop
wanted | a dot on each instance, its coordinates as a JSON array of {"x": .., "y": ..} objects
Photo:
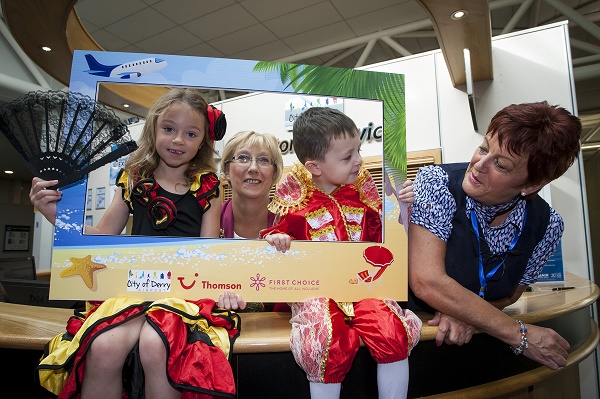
[{"x": 93, "y": 267}]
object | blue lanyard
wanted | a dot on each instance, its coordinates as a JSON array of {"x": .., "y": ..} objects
[{"x": 484, "y": 278}]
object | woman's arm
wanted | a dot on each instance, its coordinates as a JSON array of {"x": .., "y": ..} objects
[
  {"x": 429, "y": 281},
  {"x": 456, "y": 332}
]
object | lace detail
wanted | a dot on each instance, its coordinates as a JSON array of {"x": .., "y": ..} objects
[
  {"x": 310, "y": 338},
  {"x": 411, "y": 322},
  {"x": 369, "y": 194},
  {"x": 325, "y": 234},
  {"x": 318, "y": 218},
  {"x": 355, "y": 232},
  {"x": 293, "y": 192},
  {"x": 353, "y": 215}
]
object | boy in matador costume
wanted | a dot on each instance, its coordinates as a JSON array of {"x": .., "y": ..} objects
[{"x": 331, "y": 197}]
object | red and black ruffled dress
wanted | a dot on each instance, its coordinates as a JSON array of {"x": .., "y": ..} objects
[{"x": 198, "y": 335}]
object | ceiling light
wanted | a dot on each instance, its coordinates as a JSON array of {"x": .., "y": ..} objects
[
  {"x": 459, "y": 14},
  {"x": 46, "y": 48},
  {"x": 126, "y": 105},
  {"x": 9, "y": 172}
]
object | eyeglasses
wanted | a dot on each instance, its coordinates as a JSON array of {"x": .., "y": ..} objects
[{"x": 246, "y": 159}]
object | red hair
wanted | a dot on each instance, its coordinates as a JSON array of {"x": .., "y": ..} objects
[{"x": 549, "y": 135}]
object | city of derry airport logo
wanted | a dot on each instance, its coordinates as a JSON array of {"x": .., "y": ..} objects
[{"x": 149, "y": 281}]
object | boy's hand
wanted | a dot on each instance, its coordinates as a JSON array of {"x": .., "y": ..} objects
[
  {"x": 406, "y": 194},
  {"x": 281, "y": 242}
]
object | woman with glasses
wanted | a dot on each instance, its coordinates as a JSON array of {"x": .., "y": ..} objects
[
  {"x": 252, "y": 164},
  {"x": 480, "y": 233}
]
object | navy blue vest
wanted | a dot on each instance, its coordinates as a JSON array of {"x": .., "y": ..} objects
[{"x": 462, "y": 258}]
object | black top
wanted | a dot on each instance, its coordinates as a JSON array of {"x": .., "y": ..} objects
[
  {"x": 183, "y": 209},
  {"x": 158, "y": 212},
  {"x": 462, "y": 253}
]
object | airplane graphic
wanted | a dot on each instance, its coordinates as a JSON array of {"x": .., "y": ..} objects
[{"x": 127, "y": 70}]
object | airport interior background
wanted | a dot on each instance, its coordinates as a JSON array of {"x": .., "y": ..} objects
[{"x": 338, "y": 33}]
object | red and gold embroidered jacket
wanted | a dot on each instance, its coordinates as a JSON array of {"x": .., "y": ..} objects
[{"x": 351, "y": 213}]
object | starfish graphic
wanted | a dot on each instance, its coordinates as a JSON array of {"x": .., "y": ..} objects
[{"x": 85, "y": 267}]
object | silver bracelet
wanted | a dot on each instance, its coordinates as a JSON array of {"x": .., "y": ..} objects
[{"x": 517, "y": 350}]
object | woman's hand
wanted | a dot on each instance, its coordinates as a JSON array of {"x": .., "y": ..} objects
[
  {"x": 546, "y": 346},
  {"x": 231, "y": 301},
  {"x": 450, "y": 330},
  {"x": 281, "y": 242},
  {"x": 43, "y": 199}
]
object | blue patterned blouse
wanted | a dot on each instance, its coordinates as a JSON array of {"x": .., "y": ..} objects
[{"x": 434, "y": 208}]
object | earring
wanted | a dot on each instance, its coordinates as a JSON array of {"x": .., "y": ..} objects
[{"x": 522, "y": 193}]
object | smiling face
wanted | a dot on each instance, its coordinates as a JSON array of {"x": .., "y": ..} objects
[
  {"x": 494, "y": 175},
  {"x": 253, "y": 179},
  {"x": 179, "y": 134},
  {"x": 340, "y": 166}
]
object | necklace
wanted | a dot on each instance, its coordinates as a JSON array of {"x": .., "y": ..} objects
[{"x": 484, "y": 278}]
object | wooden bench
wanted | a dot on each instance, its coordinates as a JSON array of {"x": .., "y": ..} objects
[
  {"x": 262, "y": 352},
  {"x": 31, "y": 327}
]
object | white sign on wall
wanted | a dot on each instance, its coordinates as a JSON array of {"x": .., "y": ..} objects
[{"x": 298, "y": 104}]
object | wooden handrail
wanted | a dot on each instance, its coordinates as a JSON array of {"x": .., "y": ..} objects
[{"x": 512, "y": 384}]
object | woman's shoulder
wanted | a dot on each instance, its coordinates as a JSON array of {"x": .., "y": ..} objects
[
  {"x": 226, "y": 211},
  {"x": 430, "y": 172},
  {"x": 226, "y": 220},
  {"x": 430, "y": 177}
]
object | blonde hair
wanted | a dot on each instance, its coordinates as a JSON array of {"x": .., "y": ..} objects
[
  {"x": 249, "y": 138},
  {"x": 142, "y": 162}
]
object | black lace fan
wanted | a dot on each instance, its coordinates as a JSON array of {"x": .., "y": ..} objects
[{"x": 64, "y": 136}]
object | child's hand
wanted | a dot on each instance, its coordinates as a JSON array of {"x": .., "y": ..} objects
[
  {"x": 43, "y": 199},
  {"x": 281, "y": 242},
  {"x": 229, "y": 300},
  {"x": 407, "y": 195}
]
